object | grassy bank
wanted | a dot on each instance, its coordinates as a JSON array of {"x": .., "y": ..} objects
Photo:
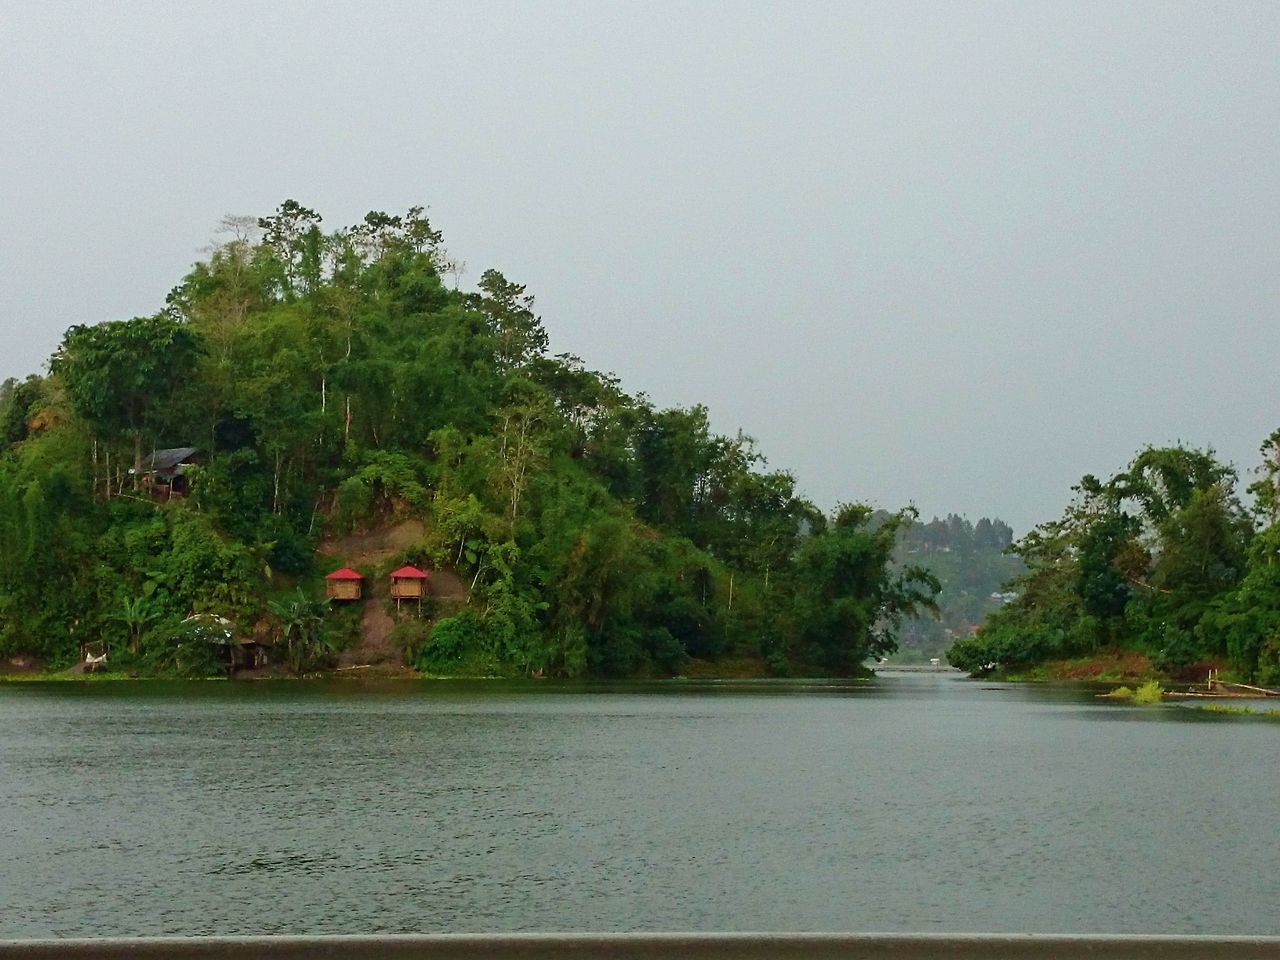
[
  {"x": 732, "y": 668},
  {"x": 1107, "y": 667},
  {"x": 1240, "y": 711},
  {"x": 1111, "y": 666},
  {"x": 108, "y": 676}
]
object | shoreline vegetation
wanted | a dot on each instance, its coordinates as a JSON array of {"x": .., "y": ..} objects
[
  {"x": 1150, "y": 693},
  {"x": 1159, "y": 571},
  {"x": 743, "y": 668},
  {"x": 177, "y": 489}
]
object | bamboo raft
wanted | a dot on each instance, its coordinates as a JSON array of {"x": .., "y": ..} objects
[{"x": 1215, "y": 689}]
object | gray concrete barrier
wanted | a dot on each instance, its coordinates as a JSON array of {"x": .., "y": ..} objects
[{"x": 648, "y": 946}]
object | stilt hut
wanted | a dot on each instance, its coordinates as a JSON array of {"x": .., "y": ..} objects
[
  {"x": 344, "y": 584},
  {"x": 408, "y": 583}
]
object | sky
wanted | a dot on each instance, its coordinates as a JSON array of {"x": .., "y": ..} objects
[{"x": 953, "y": 255}]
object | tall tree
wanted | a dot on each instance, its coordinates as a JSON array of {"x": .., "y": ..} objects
[
  {"x": 847, "y": 597},
  {"x": 121, "y": 375},
  {"x": 508, "y": 310}
]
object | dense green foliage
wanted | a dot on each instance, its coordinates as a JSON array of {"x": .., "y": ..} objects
[
  {"x": 1161, "y": 558},
  {"x": 333, "y": 382}
]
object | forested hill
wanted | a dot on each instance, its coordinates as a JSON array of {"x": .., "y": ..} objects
[
  {"x": 336, "y": 382},
  {"x": 1161, "y": 560},
  {"x": 972, "y": 564}
]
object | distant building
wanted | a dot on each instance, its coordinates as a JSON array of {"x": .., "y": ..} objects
[
  {"x": 344, "y": 584},
  {"x": 408, "y": 583},
  {"x": 164, "y": 473}
]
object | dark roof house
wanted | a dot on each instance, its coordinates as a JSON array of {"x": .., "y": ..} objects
[
  {"x": 167, "y": 460},
  {"x": 165, "y": 470}
]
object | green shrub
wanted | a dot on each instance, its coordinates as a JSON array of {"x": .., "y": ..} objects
[
  {"x": 355, "y": 503},
  {"x": 409, "y": 637},
  {"x": 1149, "y": 692},
  {"x": 453, "y": 642},
  {"x": 197, "y": 646},
  {"x": 309, "y": 642}
]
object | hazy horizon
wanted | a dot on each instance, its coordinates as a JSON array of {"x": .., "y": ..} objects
[{"x": 955, "y": 257}]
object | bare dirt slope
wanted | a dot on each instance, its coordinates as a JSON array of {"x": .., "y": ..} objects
[
  {"x": 375, "y": 545},
  {"x": 374, "y": 648},
  {"x": 448, "y": 591},
  {"x": 366, "y": 549},
  {"x": 13, "y": 666}
]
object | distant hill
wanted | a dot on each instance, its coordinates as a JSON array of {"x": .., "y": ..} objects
[{"x": 970, "y": 563}]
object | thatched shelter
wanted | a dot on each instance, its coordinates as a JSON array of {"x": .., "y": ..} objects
[
  {"x": 344, "y": 584},
  {"x": 408, "y": 583}
]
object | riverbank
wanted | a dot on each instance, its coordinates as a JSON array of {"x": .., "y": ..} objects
[
  {"x": 25, "y": 669},
  {"x": 1232, "y": 711},
  {"x": 1116, "y": 666},
  {"x": 1127, "y": 667}
]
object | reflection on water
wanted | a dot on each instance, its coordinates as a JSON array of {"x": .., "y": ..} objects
[{"x": 912, "y": 802}]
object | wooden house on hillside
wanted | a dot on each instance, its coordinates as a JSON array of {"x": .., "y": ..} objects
[
  {"x": 408, "y": 583},
  {"x": 164, "y": 472},
  {"x": 344, "y": 584}
]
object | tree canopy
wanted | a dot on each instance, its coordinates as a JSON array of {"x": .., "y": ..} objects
[
  {"x": 1162, "y": 558},
  {"x": 334, "y": 382}
]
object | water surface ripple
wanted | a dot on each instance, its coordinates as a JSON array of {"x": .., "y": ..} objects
[{"x": 911, "y": 803}]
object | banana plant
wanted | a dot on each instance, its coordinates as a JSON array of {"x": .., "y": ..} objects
[
  {"x": 302, "y": 629},
  {"x": 135, "y": 614}
]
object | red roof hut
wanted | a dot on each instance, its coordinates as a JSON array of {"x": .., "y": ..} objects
[
  {"x": 408, "y": 583},
  {"x": 343, "y": 584}
]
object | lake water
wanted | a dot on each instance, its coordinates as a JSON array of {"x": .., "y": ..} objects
[{"x": 914, "y": 802}]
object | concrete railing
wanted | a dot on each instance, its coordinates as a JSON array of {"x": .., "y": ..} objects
[{"x": 647, "y": 946}]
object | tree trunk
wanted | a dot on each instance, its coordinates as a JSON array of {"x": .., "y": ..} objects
[
  {"x": 275, "y": 487},
  {"x": 137, "y": 458}
]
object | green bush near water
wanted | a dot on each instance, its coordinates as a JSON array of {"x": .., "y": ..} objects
[
  {"x": 1120, "y": 693},
  {"x": 1162, "y": 559},
  {"x": 1150, "y": 692}
]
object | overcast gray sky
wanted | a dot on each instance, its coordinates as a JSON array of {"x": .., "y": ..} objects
[{"x": 955, "y": 254}]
